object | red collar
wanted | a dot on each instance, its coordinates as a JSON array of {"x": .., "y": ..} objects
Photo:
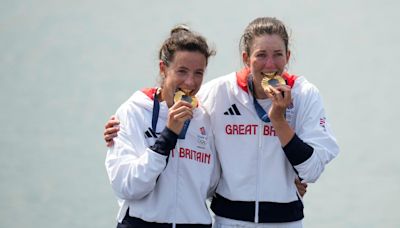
[
  {"x": 241, "y": 78},
  {"x": 149, "y": 92}
]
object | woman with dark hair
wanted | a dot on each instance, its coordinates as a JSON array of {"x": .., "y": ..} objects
[{"x": 163, "y": 164}]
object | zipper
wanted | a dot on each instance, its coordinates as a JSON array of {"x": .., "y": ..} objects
[
  {"x": 176, "y": 185},
  {"x": 260, "y": 124}
]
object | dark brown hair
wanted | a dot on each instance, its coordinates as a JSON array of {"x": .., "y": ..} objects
[{"x": 183, "y": 39}]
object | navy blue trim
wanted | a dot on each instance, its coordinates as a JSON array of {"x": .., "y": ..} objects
[
  {"x": 268, "y": 212},
  {"x": 165, "y": 143},
  {"x": 297, "y": 151},
  {"x": 129, "y": 221},
  {"x": 156, "y": 111}
]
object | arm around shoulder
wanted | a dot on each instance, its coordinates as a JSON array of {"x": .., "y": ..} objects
[{"x": 131, "y": 166}]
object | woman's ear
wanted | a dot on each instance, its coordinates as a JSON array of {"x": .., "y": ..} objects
[
  {"x": 245, "y": 59},
  {"x": 162, "y": 67},
  {"x": 287, "y": 56}
]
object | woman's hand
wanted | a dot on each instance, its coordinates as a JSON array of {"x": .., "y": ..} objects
[
  {"x": 178, "y": 114},
  {"x": 301, "y": 187},
  {"x": 111, "y": 130},
  {"x": 281, "y": 98}
]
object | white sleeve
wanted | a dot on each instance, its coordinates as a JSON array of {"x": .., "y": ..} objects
[
  {"x": 312, "y": 127},
  {"x": 207, "y": 95},
  {"x": 131, "y": 166},
  {"x": 216, "y": 173}
]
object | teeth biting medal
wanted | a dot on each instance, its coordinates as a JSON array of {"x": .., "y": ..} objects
[
  {"x": 272, "y": 79},
  {"x": 183, "y": 94}
]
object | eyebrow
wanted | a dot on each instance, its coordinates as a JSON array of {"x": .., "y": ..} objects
[
  {"x": 186, "y": 68},
  {"x": 264, "y": 51}
]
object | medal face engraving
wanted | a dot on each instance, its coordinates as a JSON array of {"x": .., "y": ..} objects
[
  {"x": 272, "y": 79},
  {"x": 184, "y": 95}
]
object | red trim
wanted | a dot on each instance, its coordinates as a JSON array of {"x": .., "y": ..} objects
[
  {"x": 290, "y": 78},
  {"x": 241, "y": 78},
  {"x": 149, "y": 92}
]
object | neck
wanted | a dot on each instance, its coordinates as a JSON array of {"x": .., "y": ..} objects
[{"x": 167, "y": 97}]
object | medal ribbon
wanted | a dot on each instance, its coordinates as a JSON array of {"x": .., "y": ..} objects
[{"x": 262, "y": 114}]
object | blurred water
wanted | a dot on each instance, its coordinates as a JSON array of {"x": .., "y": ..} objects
[{"x": 65, "y": 66}]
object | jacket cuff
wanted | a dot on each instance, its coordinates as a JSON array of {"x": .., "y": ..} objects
[
  {"x": 165, "y": 143},
  {"x": 297, "y": 151}
]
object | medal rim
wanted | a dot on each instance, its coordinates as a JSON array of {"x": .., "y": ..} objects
[
  {"x": 179, "y": 94},
  {"x": 266, "y": 79}
]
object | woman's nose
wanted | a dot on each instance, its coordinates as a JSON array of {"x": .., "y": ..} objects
[
  {"x": 189, "y": 82},
  {"x": 269, "y": 63}
]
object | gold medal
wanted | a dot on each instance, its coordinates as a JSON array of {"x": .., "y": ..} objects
[
  {"x": 184, "y": 95},
  {"x": 272, "y": 79}
]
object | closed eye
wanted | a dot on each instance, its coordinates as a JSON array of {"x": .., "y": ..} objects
[
  {"x": 182, "y": 71},
  {"x": 199, "y": 73},
  {"x": 261, "y": 55}
]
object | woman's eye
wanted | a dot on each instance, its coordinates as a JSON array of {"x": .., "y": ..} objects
[{"x": 199, "y": 73}]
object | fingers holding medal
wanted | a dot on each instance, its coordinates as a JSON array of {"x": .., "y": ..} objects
[
  {"x": 273, "y": 84},
  {"x": 184, "y": 95},
  {"x": 182, "y": 110}
]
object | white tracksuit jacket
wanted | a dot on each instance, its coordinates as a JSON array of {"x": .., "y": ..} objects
[
  {"x": 254, "y": 165},
  {"x": 156, "y": 188}
]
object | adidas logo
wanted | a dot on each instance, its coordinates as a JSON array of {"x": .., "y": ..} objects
[
  {"x": 233, "y": 110},
  {"x": 150, "y": 133}
]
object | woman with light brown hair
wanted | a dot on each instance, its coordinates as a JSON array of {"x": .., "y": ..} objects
[{"x": 163, "y": 166}]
